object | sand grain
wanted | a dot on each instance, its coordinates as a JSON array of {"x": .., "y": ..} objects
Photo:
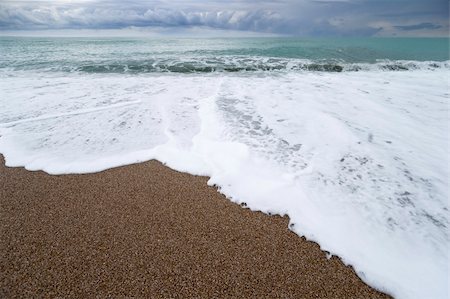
[{"x": 148, "y": 231}]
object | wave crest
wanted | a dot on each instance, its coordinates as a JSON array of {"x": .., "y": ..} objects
[{"x": 222, "y": 64}]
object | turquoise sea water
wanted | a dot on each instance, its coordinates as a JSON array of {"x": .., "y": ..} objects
[{"x": 117, "y": 55}]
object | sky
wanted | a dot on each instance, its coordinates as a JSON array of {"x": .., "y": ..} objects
[{"x": 233, "y": 17}]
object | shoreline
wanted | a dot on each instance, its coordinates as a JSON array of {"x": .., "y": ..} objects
[{"x": 147, "y": 230}]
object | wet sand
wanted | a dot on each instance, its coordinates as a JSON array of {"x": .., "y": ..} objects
[{"x": 148, "y": 231}]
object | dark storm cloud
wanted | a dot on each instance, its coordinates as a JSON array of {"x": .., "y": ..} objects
[
  {"x": 419, "y": 26},
  {"x": 301, "y": 17}
]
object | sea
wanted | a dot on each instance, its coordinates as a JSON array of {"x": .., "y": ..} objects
[{"x": 348, "y": 137}]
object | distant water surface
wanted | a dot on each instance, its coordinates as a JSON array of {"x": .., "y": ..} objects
[{"x": 210, "y": 55}]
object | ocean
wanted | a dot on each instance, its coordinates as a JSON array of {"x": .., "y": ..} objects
[{"x": 349, "y": 137}]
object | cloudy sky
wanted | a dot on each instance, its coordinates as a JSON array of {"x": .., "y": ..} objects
[{"x": 279, "y": 17}]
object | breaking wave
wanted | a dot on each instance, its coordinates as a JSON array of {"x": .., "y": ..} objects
[{"x": 222, "y": 64}]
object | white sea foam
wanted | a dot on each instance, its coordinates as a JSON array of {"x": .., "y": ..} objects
[{"x": 358, "y": 160}]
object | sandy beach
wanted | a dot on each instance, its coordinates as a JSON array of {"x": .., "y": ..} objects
[{"x": 148, "y": 231}]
